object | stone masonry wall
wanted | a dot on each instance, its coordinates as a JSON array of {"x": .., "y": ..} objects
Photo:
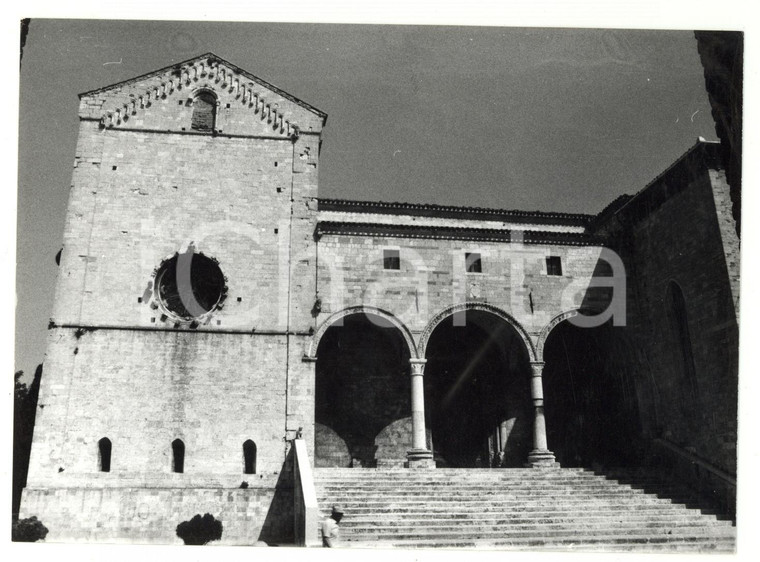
[
  {"x": 432, "y": 276},
  {"x": 155, "y": 194},
  {"x": 151, "y": 515},
  {"x": 143, "y": 189},
  {"x": 684, "y": 240},
  {"x": 142, "y": 390}
]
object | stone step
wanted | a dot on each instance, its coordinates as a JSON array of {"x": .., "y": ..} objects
[
  {"x": 506, "y": 484},
  {"x": 394, "y": 520},
  {"x": 505, "y": 475},
  {"x": 582, "y": 535},
  {"x": 437, "y": 476},
  {"x": 482, "y": 495},
  {"x": 581, "y": 500},
  {"x": 518, "y": 509},
  {"x": 382, "y": 511},
  {"x": 439, "y": 487},
  {"x": 449, "y": 470},
  {"x": 573, "y": 500},
  {"x": 496, "y": 476},
  {"x": 397, "y": 496},
  {"x": 490, "y": 490},
  {"x": 537, "y": 529},
  {"x": 355, "y": 505},
  {"x": 553, "y": 496},
  {"x": 496, "y": 484},
  {"x": 701, "y": 545},
  {"x": 536, "y": 514},
  {"x": 577, "y": 535},
  {"x": 536, "y": 522}
]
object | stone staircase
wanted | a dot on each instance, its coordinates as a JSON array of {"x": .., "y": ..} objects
[{"x": 524, "y": 509}]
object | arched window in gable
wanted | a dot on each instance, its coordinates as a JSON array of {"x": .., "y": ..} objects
[
  {"x": 178, "y": 453},
  {"x": 204, "y": 112},
  {"x": 249, "y": 457},
  {"x": 680, "y": 325},
  {"x": 104, "y": 454}
]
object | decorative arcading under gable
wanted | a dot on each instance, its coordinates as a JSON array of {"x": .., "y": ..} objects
[{"x": 244, "y": 90}]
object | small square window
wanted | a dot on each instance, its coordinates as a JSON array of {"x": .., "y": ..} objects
[
  {"x": 391, "y": 259},
  {"x": 553, "y": 265},
  {"x": 472, "y": 262}
]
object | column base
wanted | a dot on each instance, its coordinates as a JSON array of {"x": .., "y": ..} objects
[
  {"x": 541, "y": 458},
  {"x": 420, "y": 458}
]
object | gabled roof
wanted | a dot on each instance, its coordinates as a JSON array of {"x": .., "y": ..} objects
[{"x": 211, "y": 57}]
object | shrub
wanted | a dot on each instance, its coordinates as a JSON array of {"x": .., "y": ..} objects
[
  {"x": 200, "y": 530},
  {"x": 30, "y": 529}
]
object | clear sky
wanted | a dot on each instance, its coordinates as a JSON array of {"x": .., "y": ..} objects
[{"x": 532, "y": 119}]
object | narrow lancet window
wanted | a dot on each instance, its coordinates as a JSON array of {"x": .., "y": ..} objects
[
  {"x": 680, "y": 324},
  {"x": 104, "y": 450},
  {"x": 249, "y": 457},
  {"x": 178, "y": 451}
]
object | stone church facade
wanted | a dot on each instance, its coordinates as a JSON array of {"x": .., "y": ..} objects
[{"x": 210, "y": 308}]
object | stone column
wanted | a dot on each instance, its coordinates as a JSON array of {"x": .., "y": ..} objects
[
  {"x": 540, "y": 455},
  {"x": 419, "y": 456}
]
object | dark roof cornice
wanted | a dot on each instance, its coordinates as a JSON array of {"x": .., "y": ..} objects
[
  {"x": 457, "y": 233},
  {"x": 453, "y": 212}
]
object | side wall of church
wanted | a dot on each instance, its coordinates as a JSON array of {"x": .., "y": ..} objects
[
  {"x": 685, "y": 241},
  {"x": 687, "y": 248}
]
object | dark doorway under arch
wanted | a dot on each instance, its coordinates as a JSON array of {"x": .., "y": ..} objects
[
  {"x": 477, "y": 392},
  {"x": 363, "y": 394},
  {"x": 590, "y": 401}
]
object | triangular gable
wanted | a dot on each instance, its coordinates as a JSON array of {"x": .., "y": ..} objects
[{"x": 117, "y": 104}]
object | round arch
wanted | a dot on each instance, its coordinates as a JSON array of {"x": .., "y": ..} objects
[
  {"x": 205, "y": 90},
  {"x": 484, "y": 307},
  {"x": 311, "y": 352},
  {"x": 204, "y": 109},
  {"x": 553, "y": 323}
]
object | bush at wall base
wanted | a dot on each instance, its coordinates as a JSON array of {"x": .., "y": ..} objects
[
  {"x": 200, "y": 530},
  {"x": 30, "y": 529}
]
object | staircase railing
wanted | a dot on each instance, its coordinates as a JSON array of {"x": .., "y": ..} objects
[{"x": 305, "y": 508}]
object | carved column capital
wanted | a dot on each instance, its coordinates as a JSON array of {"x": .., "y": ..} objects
[{"x": 418, "y": 366}]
